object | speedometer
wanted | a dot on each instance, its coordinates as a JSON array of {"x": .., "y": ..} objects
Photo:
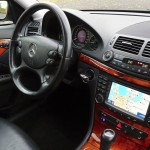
[{"x": 80, "y": 36}]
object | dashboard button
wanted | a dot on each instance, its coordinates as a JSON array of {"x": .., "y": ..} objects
[
  {"x": 105, "y": 78},
  {"x": 104, "y": 82},
  {"x": 99, "y": 85},
  {"x": 102, "y": 91},
  {"x": 100, "y": 81},
  {"x": 114, "y": 62},
  {"x": 128, "y": 67},
  {"x": 103, "y": 87},
  {"x": 98, "y": 89},
  {"x": 100, "y": 77},
  {"x": 123, "y": 65},
  {"x": 119, "y": 63},
  {"x": 145, "y": 72},
  {"x": 133, "y": 69},
  {"x": 116, "y": 56},
  {"x": 139, "y": 70}
]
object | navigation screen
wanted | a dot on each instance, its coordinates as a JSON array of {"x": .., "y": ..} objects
[{"x": 130, "y": 100}]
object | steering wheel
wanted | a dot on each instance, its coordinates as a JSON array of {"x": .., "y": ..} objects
[{"x": 41, "y": 58}]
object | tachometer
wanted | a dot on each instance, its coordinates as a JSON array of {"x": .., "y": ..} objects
[{"x": 80, "y": 36}]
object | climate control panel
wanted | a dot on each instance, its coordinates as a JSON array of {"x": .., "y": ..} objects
[{"x": 121, "y": 126}]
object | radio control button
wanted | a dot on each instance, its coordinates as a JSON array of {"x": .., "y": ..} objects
[
  {"x": 128, "y": 67},
  {"x": 98, "y": 89},
  {"x": 114, "y": 62},
  {"x": 123, "y": 65},
  {"x": 100, "y": 77},
  {"x": 139, "y": 70},
  {"x": 102, "y": 91},
  {"x": 116, "y": 56},
  {"x": 126, "y": 125},
  {"x": 134, "y": 120},
  {"x": 128, "y": 117},
  {"x": 140, "y": 132},
  {"x": 120, "y": 57},
  {"x": 145, "y": 72},
  {"x": 105, "y": 78},
  {"x": 104, "y": 82},
  {"x": 103, "y": 87},
  {"x": 133, "y": 69},
  {"x": 119, "y": 63},
  {"x": 99, "y": 85},
  {"x": 100, "y": 81}
]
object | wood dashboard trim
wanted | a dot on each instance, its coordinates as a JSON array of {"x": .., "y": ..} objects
[
  {"x": 3, "y": 49},
  {"x": 109, "y": 70}
]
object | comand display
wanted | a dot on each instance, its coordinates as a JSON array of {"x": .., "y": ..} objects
[{"x": 130, "y": 101}]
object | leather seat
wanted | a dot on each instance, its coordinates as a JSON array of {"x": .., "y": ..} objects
[{"x": 13, "y": 138}]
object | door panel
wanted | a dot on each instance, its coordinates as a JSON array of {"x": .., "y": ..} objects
[{"x": 6, "y": 84}]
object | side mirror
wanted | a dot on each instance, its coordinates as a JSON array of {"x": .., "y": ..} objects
[{"x": 3, "y": 9}]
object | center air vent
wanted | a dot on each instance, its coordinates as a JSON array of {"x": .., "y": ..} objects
[
  {"x": 146, "y": 52},
  {"x": 33, "y": 28},
  {"x": 129, "y": 45}
]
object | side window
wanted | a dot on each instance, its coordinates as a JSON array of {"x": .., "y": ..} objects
[{"x": 4, "y": 13}]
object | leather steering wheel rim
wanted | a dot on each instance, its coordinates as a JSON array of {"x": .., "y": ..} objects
[{"x": 35, "y": 44}]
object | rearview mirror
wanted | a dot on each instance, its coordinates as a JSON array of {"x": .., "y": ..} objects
[{"x": 3, "y": 9}]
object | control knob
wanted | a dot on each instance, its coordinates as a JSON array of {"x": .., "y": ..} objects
[
  {"x": 99, "y": 98},
  {"x": 108, "y": 55}
]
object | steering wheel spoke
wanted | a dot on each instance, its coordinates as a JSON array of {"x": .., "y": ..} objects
[
  {"x": 19, "y": 68},
  {"x": 42, "y": 75}
]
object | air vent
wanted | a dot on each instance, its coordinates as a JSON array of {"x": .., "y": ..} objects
[
  {"x": 129, "y": 45},
  {"x": 33, "y": 28},
  {"x": 146, "y": 52}
]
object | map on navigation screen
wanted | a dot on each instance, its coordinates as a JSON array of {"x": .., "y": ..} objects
[{"x": 128, "y": 99}]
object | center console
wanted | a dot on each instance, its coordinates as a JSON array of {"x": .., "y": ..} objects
[
  {"x": 122, "y": 87},
  {"x": 127, "y": 102},
  {"x": 122, "y": 104}
]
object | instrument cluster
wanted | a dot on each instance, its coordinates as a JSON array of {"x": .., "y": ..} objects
[{"x": 83, "y": 38}]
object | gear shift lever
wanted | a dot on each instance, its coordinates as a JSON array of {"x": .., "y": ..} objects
[{"x": 108, "y": 136}]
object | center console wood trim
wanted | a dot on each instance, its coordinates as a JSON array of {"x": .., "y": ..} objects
[{"x": 111, "y": 71}]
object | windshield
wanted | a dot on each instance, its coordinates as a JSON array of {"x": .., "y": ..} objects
[{"x": 102, "y": 4}]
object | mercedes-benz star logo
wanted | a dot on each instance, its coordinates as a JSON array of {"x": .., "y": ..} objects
[{"x": 32, "y": 50}]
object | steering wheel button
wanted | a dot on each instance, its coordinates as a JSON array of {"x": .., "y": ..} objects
[
  {"x": 18, "y": 50},
  {"x": 19, "y": 44},
  {"x": 50, "y": 61}
]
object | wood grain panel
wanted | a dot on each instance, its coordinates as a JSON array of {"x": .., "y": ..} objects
[
  {"x": 114, "y": 72},
  {"x": 3, "y": 49},
  {"x": 122, "y": 142}
]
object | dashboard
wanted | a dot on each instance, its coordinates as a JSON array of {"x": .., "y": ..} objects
[
  {"x": 83, "y": 36},
  {"x": 112, "y": 52}
]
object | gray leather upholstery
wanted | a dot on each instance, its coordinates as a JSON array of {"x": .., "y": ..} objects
[{"x": 13, "y": 138}]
